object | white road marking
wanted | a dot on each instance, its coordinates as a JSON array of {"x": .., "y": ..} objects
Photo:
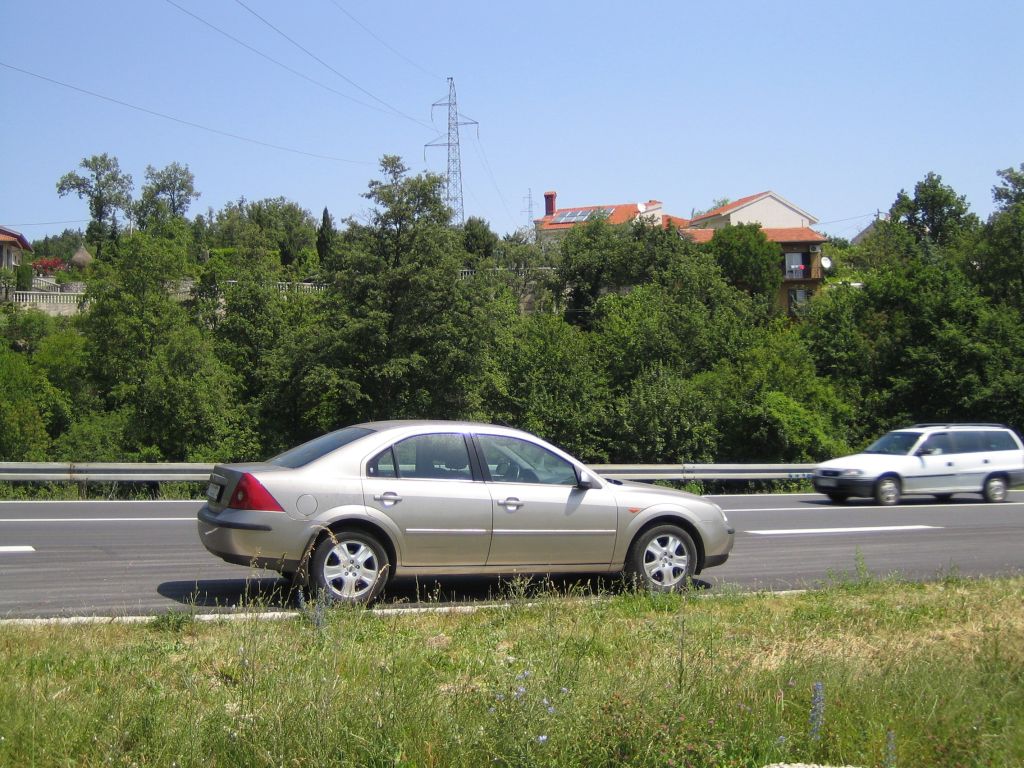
[
  {"x": 96, "y": 519},
  {"x": 865, "y": 529},
  {"x": 860, "y": 507},
  {"x": 25, "y": 548}
]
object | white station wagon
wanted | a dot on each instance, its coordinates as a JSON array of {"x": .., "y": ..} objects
[{"x": 934, "y": 459}]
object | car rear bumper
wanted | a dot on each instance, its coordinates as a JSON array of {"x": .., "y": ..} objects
[{"x": 245, "y": 537}]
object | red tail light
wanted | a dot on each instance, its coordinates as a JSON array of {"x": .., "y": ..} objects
[{"x": 250, "y": 494}]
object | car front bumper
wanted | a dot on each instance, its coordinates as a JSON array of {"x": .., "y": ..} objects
[{"x": 849, "y": 486}]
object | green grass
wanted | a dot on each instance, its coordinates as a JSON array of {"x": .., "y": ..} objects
[{"x": 861, "y": 672}]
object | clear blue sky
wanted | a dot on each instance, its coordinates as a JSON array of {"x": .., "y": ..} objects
[{"x": 834, "y": 105}]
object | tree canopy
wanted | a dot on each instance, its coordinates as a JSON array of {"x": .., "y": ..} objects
[{"x": 238, "y": 332}]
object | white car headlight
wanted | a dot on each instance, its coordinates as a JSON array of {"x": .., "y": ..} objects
[{"x": 851, "y": 472}]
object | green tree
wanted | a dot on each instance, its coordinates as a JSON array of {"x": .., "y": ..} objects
[
  {"x": 552, "y": 383},
  {"x": 749, "y": 260},
  {"x": 131, "y": 309},
  {"x": 396, "y": 337},
  {"x": 29, "y": 410},
  {"x": 326, "y": 234},
  {"x": 167, "y": 192},
  {"x": 62, "y": 246},
  {"x": 478, "y": 240},
  {"x": 108, "y": 190},
  {"x": 935, "y": 213},
  {"x": 996, "y": 266}
]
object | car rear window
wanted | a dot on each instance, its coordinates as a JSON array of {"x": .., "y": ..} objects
[{"x": 301, "y": 455}]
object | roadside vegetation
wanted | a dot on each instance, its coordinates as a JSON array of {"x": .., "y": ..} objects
[
  {"x": 233, "y": 334},
  {"x": 861, "y": 672}
]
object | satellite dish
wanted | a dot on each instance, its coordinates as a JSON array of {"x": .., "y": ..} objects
[{"x": 826, "y": 262}]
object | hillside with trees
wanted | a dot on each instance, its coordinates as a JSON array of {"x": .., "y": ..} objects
[{"x": 233, "y": 334}]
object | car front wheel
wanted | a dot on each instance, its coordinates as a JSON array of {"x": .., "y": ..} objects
[
  {"x": 995, "y": 489},
  {"x": 663, "y": 558},
  {"x": 887, "y": 491},
  {"x": 349, "y": 567}
]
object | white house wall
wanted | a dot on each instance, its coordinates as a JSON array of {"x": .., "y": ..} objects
[{"x": 770, "y": 214}]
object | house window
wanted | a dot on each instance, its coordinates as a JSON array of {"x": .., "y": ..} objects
[
  {"x": 797, "y": 298},
  {"x": 798, "y": 266}
]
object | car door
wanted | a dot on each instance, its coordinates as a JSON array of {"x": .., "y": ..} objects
[
  {"x": 426, "y": 485},
  {"x": 937, "y": 471},
  {"x": 541, "y": 517}
]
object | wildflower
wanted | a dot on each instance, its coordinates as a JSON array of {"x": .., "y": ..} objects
[
  {"x": 542, "y": 739},
  {"x": 817, "y": 710},
  {"x": 519, "y": 692},
  {"x": 523, "y": 675}
]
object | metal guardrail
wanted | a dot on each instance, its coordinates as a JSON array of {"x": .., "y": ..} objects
[
  {"x": 705, "y": 471},
  {"x": 27, "y": 471}
]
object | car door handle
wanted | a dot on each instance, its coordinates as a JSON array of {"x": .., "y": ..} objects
[
  {"x": 511, "y": 503},
  {"x": 387, "y": 498}
]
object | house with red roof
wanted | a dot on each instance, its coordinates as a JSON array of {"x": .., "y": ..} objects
[
  {"x": 781, "y": 221},
  {"x": 12, "y": 245}
]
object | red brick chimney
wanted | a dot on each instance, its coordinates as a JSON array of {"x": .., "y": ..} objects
[{"x": 549, "y": 203}]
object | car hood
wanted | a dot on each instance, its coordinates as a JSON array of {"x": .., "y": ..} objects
[
  {"x": 635, "y": 494},
  {"x": 866, "y": 462}
]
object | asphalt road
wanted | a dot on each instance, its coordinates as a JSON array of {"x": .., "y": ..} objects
[{"x": 129, "y": 558}]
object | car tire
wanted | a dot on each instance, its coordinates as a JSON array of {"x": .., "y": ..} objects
[
  {"x": 349, "y": 567},
  {"x": 662, "y": 558},
  {"x": 887, "y": 491},
  {"x": 994, "y": 489},
  {"x": 837, "y": 498}
]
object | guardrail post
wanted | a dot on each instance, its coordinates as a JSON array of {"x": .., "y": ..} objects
[{"x": 83, "y": 491}]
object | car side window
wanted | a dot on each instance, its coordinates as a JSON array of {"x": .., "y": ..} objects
[
  {"x": 511, "y": 460},
  {"x": 969, "y": 442},
  {"x": 382, "y": 465},
  {"x": 936, "y": 444},
  {"x": 999, "y": 441},
  {"x": 433, "y": 457}
]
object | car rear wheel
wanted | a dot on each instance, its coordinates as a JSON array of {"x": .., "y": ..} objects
[
  {"x": 663, "y": 558},
  {"x": 349, "y": 567},
  {"x": 995, "y": 489},
  {"x": 887, "y": 491}
]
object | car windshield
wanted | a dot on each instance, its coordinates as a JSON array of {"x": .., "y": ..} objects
[
  {"x": 301, "y": 455},
  {"x": 894, "y": 443}
]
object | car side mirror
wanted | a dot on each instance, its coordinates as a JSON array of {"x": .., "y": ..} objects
[{"x": 586, "y": 481}]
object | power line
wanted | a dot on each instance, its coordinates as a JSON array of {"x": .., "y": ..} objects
[
  {"x": 316, "y": 58},
  {"x": 181, "y": 121},
  {"x": 838, "y": 221},
  {"x": 395, "y": 51},
  {"x": 48, "y": 223},
  {"x": 479, "y": 147},
  {"x": 258, "y": 52}
]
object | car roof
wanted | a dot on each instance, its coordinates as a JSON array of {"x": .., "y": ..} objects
[
  {"x": 384, "y": 426},
  {"x": 959, "y": 425}
]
